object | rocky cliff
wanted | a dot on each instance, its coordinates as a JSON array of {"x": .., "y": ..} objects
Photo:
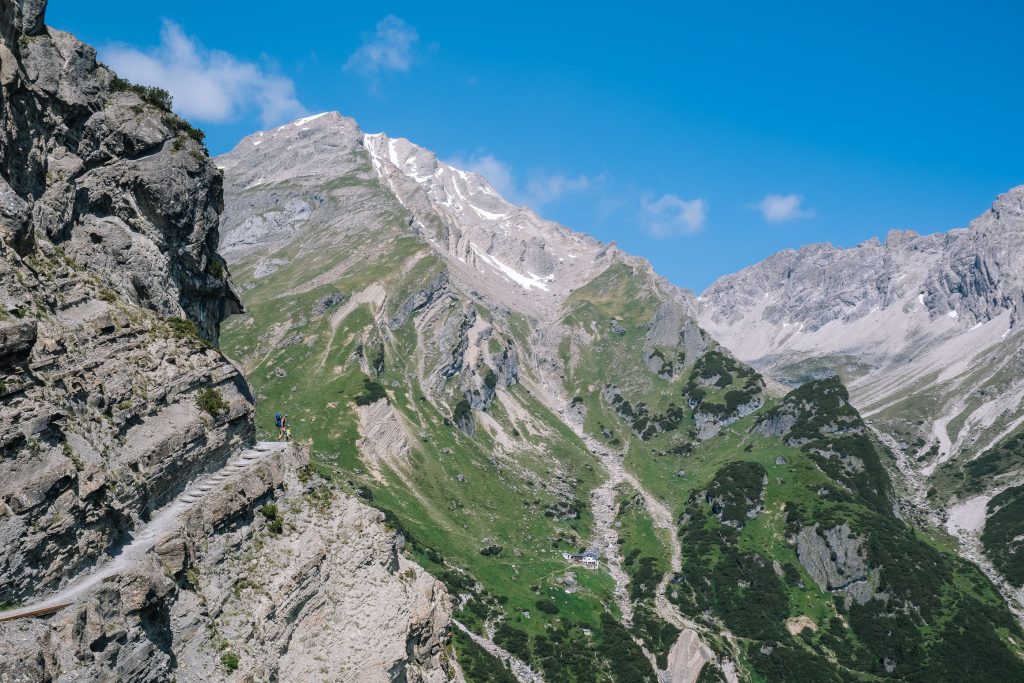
[
  {"x": 112, "y": 293},
  {"x": 128, "y": 501}
]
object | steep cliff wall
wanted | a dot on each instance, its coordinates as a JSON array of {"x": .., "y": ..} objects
[
  {"x": 123, "y": 427},
  {"x": 112, "y": 295}
]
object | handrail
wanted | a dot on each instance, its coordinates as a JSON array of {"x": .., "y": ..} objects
[{"x": 42, "y": 611}]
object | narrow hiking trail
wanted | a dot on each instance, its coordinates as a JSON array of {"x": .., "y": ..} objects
[
  {"x": 145, "y": 537},
  {"x": 522, "y": 672}
]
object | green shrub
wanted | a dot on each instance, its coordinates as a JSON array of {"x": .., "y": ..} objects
[
  {"x": 372, "y": 392},
  {"x": 275, "y": 523},
  {"x": 547, "y": 606},
  {"x": 477, "y": 663},
  {"x": 462, "y": 409},
  {"x": 211, "y": 401},
  {"x": 513, "y": 640},
  {"x": 183, "y": 127},
  {"x": 158, "y": 97},
  {"x": 183, "y": 327},
  {"x": 229, "y": 660}
]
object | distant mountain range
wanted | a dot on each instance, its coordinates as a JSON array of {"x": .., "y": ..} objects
[{"x": 501, "y": 384}]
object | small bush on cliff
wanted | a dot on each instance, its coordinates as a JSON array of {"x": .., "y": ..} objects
[
  {"x": 216, "y": 268},
  {"x": 183, "y": 127},
  {"x": 229, "y": 660},
  {"x": 462, "y": 410},
  {"x": 183, "y": 327},
  {"x": 211, "y": 401},
  {"x": 273, "y": 516},
  {"x": 158, "y": 97}
]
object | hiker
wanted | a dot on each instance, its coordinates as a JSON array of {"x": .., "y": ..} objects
[
  {"x": 287, "y": 433},
  {"x": 279, "y": 423}
]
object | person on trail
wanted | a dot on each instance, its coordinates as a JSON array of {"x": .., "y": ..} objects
[
  {"x": 279, "y": 423},
  {"x": 287, "y": 433}
]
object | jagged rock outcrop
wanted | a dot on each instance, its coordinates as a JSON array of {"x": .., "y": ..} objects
[
  {"x": 109, "y": 226},
  {"x": 979, "y": 276},
  {"x": 115, "y": 399},
  {"x": 419, "y": 299},
  {"x": 330, "y": 592},
  {"x": 835, "y": 560}
]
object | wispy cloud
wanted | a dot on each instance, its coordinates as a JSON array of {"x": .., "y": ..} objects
[
  {"x": 497, "y": 172},
  {"x": 207, "y": 85},
  {"x": 670, "y": 215},
  {"x": 544, "y": 189},
  {"x": 778, "y": 208},
  {"x": 541, "y": 188},
  {"x": 390, "y": 48}
]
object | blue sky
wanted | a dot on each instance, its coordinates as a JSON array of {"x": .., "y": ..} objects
[{"x": 704, "y": 136}]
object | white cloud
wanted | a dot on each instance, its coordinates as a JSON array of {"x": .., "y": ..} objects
[
  {"x": 207, "y": 85},
  {"x": 392, "y": 47},
  {"x": 540, "y": 190},
  {"x": 497, "y": 172},
  {"x": 544, "y": 189},
  {"x": 670, "y": 215},
  {"x": 776, "y": 208}
]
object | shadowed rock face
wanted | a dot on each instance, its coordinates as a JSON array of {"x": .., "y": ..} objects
[
  {"x": 115, "y": 397},
  {"x": 835, "y": 561},
  {"x": 108, "y": 228},
  {"x": 113, "y": 180}
]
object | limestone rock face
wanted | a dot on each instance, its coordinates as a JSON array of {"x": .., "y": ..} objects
[
  {"x": 115, "y": 181},
  {"x": 114, "y": 399},
  {"x": 330, "y": 593},
  {"x": 108, "y": 228},
  {"x": 835, "y": 560}
]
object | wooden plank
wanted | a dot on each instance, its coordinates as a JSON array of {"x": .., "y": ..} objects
[{"x": 42, "y": 611}]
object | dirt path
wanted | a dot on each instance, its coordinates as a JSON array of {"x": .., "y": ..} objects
[
  {"x": 605, "y": 507},
  {"x": 689, "y": 654},
  {"x": 144, "y": 538},
  {"x": 522, "y": 672}
]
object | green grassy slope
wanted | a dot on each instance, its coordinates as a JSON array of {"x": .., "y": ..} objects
[
  {"x": 490, "y": 512},
  {"x": 744, "y": 495}
]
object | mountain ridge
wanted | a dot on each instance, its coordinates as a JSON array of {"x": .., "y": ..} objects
[{"x": 501, "y": 424}]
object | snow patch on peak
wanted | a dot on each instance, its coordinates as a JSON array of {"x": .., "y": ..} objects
[
  {"x": 487, "y": 214},
  {"x": 306, "y": 119},
  {"x": 527, "y": 281}
]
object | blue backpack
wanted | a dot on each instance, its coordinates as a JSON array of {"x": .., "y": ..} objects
[{"x": 277, "y": 420}]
